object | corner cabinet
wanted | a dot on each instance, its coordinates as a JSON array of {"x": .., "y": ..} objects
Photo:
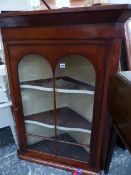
[{"x": 60, "y": 63}]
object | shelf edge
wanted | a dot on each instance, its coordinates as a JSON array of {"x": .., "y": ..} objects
[
  {"x": 58, "y": 90},
  {"x": 58, "y": 127}
]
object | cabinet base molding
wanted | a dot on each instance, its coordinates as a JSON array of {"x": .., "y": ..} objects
[{"x": 29, "y": 156}]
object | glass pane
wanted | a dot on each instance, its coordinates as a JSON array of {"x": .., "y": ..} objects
[
  {"x": 43, "y": 145},
  {"x": 71, "y": 151},
  {"x": 35, "y": 76},
  {"x": 75, "y": 88}
]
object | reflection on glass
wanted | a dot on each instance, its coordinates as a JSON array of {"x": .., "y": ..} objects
[
  {"x": 43, "y": 145},
  {"x": 71, "y": 151},
  {"x": 75, "y": 88},
  {"x": 35, "y": 76}
]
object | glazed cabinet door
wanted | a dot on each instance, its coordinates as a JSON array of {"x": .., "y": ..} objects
[{"x": 57, "y": 89}]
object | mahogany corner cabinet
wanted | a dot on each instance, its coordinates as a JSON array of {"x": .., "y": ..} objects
[{"x": 60, "y": 64}]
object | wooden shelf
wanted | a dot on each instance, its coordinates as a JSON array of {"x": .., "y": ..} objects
[
  {"x": 63, "y": 85},
  {"x": 67, "y": 120}
]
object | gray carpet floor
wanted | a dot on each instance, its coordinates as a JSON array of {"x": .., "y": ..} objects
[{"x": 11, "y": 165}]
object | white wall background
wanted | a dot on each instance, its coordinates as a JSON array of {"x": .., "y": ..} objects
[
  {"x": 19, "y": 5},
  {"x": 30, "y": 4},
  {"x": 14, "y": 5},
  {"x": 120, "y": 1}
]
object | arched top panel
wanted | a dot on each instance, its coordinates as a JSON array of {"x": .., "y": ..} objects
[
  {"x": 77, "y": 67},
  {"x": 34, "y": 67}
]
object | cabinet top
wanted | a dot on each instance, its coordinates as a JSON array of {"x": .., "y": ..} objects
[{"x": 67, "y": 16}]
